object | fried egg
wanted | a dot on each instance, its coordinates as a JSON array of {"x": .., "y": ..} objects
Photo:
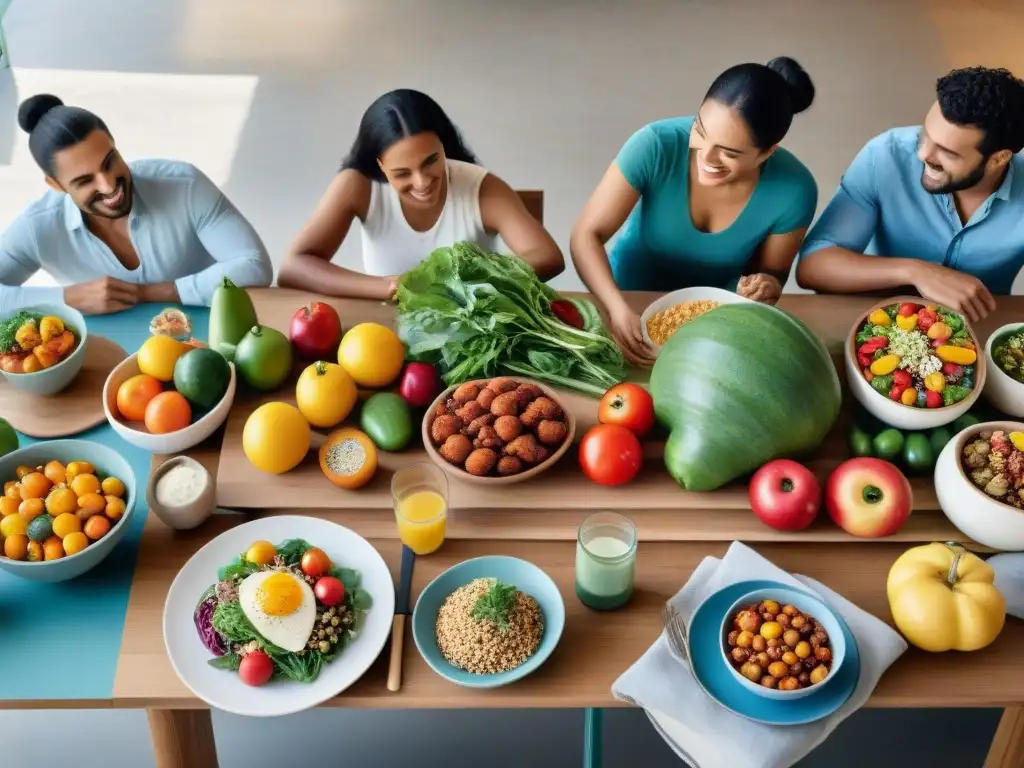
[{"x": 280, "y": 606}]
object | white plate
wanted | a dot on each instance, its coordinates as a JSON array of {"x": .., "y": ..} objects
[
  {"x": 686, "y": 294},
  {"x": 223, "y": 689}
]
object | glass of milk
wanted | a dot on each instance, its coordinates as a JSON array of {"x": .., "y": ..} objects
[{"x": 605, "y": 560}]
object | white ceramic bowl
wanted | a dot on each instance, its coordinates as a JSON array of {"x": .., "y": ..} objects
[
  {"x": 986, "y": 520},
  {"x": 1003, "y": 392},
  {"x": 807, "y": 604},
  {"x": 685, "y": 294},
  {"x": 172, "y": 442},
  {"x": 50, "y": 381},
  {"x": 895, "y": 414}
]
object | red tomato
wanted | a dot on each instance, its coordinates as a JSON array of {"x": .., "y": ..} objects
[
  {"x": 628, "y": 405},
  {"x": 908, "y": 309},
  {"x": 610, "y": 454},
  {"x": 315, "y": 562},
  {"x": 329, "y": 590},
  {"x": 256, "y": 668},
  {"x": 785, "y": 495},
  {"x": 868, "y": 497}
]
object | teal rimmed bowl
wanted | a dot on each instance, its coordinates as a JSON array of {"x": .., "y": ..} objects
[
  {"x": 108, "y": 463},
  {"x": 50, "y": 381},
  {"x": 526, "y": 577}
]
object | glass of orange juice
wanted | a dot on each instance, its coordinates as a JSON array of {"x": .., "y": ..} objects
[{"x": 420, "y": 492}]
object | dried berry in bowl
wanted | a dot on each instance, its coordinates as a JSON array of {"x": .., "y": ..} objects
[{"x": 994, "y": 462}]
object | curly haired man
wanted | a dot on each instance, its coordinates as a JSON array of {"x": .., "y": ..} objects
[{"x": 942, "y": 202}]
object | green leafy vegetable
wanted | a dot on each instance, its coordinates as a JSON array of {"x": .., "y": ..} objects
[
  {"x": 954, "y": 394},
  {"x": 477, "y": 314},
  {"x": 883, "y": 383},
  {"x": 239, "y": 567},
  {"x": 495, "y": 604},
  {"x": 292, "y": 550},
  {"x": 229, "y": 661},
  {"x": 956, "y": 324},
  {"x": 9, "y": 328}
]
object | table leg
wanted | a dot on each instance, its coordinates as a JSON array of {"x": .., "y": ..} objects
[
  {"x": 182, "y": 738},
  {"x": 592, "y": 737},
  {"x": 1007, "y": 750}
]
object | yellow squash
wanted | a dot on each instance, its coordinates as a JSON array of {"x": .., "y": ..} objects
[
  {"x": 325, "y": 394},
  {"x": 943, "y": 598}
]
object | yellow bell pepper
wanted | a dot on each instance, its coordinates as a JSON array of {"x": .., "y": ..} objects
[
  {"x": 943, "y": 598},
  {"x": 936, "y": 382},
  {"x": 1017, "y": 440},
  {"x": 50, "y": 327},
  {"x": 908, "y": 396},
  {"x": 885, "y": 365},
  {"x": 939, "y": 330},
  {"x": 879, "y": 317},
  {"x": 907, "y": 323},
  {"x": 959, "y": 355}
]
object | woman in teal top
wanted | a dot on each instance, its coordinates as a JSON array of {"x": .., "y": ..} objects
[{"x": 709, "y": 200}]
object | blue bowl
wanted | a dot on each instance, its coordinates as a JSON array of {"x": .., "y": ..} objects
[
  {"x": 108, "y": 463},
  {"x": 50, "y": 381},
  {"x": 527, "y": 578},
  {"x": 805, "y": 603}
]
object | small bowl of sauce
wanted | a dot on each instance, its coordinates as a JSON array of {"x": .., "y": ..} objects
[{"x": 181, "y": 493}]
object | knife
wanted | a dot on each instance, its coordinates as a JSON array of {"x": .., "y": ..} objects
[{"x": 401, "y": 612}]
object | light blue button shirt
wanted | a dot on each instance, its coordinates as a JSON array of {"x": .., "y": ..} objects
[
  {"x": 881, "y": 208},
  {"x": 182, "y": 226}
]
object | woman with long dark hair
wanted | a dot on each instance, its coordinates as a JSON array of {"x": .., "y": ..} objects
[
  {"x": 414, "y": 186},
  {"x": 709, "y": 200}
]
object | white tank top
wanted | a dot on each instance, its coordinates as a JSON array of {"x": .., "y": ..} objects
[{"x": 392, "y": 247}]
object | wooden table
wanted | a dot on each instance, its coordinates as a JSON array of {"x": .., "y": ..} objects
[{"x": 595, "y": 648}]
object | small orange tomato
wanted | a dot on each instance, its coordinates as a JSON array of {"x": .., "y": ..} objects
[
  {"x": 22, "y": 470},
  {"x": 35, "y": 551},
  {"x": 8, "y": 506},
  {"x": 85, "y": 483},
  {"x": 75, "y": 542},
  {"x": 16, "y": 547},
  {"x": 34, "y": 485},
  {"x": 97, "y": 527},
  {"x": 168, "y": 412},
  {"x": 61, "y": 501},
  {"x": 76, "y": 468},
  {"x": 53, "y": 549},
  {"x": 30, "y": 509},
  {"x": 115, "y": 507},
  {"x": 91, "y": 504},
  {"x": 13, "y": 491},
  {"x": 315, "y": 562},
  {"x": 55, "y": 472},
  {"x": 134, "y": 395}
]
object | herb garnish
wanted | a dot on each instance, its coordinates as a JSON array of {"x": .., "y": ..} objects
[
  {"x": 9, "y": 329},
  {"x": 495, "y": 604}
]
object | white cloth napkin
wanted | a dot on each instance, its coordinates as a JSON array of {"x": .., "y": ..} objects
[{"x": 717, "y": 738}]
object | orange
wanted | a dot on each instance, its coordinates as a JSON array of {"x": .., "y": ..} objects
[
  {"x": 16, "y": 547},
  {"x": 34, "y": 485},
  {"x": 90, "y": 504},
  {"x": 61, "y": 501},
  {"x": 168, "y": 412},
  {"x": 97, "y": 527},
  {"x": 134, "y": 395},
  {"x": 30, "y": 509},
  {"x": 83, "y": 484},
  {"x": 65, "y": 525},
  {"x": 53, "y": 549},
  {"x": 54, "y": 472},
  {"x": 112, "y": 487},
  {"x": 371, "y": 354},
  {"x": 75, "y": 543},
  {"x": 8, "y": 505},
  {"x": 115, "y": 507}
]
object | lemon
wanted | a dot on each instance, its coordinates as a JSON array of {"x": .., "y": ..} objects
[
  {"x": 276, "y": 437},
  {"x": 372, "y": 355},
  {"x": 158, "y": 355}
]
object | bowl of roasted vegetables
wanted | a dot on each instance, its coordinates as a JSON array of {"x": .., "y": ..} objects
[
  {"x": 914, "y": 364},
  {"x": 42, "y": 348},
  {"x": 1004, "y": 353}
]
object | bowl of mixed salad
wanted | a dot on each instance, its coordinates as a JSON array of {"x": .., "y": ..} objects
[
  {"x": 278, "y": 615},
  {"x": 1004, "y": 354},
  {"x": 913, "y": 364},
  {"x": 42, "y": 348}
]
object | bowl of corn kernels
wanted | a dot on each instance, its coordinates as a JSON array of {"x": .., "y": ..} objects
[{"x": 673, "y": 310}]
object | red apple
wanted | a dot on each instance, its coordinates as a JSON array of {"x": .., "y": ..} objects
[
  {"x": 420, "y": 384},
  {"x": 785, "y": 495},
  {"x": 315, "y": 331},
  {"x": 868, "y": 497}
]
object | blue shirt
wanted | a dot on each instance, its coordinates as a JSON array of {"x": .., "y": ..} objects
[
  {"x": 659, "y": 248},
  {"x": 182, "y": 226},
  {"x": 881, "y": 209}
]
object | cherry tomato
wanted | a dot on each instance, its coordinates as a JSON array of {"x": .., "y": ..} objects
[
  {"x": 329, "y": 590},
  {"x": 628, "y": 405},
  {"x": 610, "y": 454},
  {"x": 256, "y": 668},
  {"x": 315, "y": 562}
]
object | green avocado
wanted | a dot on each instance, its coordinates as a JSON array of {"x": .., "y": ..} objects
[
  {"x": 888, "y": 443},
  {"x": 387, "y": 420},
  {"x": 918, "y": 455},
  {"x": 860, "y": 443},
  {"x": 202, "y": 376}
]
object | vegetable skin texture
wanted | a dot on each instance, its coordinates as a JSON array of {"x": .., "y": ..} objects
[
  {"x": 476, "y": 315},
  {"x": 738, "y": 387}
]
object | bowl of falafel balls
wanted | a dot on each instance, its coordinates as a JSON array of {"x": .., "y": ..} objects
[{"x": 497, "y": 431}]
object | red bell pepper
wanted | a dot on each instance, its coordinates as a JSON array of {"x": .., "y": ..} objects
[
  {"x": 566, "y": 312},
  {"x": 926, "y": 318},
  {"x": 906, "y": 310},
  {"x": 902, "y": 378}
]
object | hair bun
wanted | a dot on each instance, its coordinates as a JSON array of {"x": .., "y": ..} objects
[
  {"x": 32, "y": 110},
  {"x": 801, "y": 89}
]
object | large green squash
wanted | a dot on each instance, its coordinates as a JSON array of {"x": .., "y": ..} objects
[{"x": 739, "y": 386}]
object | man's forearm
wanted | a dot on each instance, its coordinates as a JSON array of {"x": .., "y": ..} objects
[
  {"x": 838, "y": 270},
  {"x": 159, "y": 293}
]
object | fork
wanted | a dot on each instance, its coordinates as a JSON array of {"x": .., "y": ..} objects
[{"x": 675, "y": 629}]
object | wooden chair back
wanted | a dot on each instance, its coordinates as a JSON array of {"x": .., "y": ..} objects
[{"x": 533, "y": 199}]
